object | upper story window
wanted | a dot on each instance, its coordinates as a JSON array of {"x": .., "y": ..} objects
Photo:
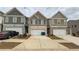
[
  {"x": 55, "y": 21},
  {"x": 6, "y": 19},
  {"x": 33, "y": 21},
  {"x": 44, "y": 22},
  {"x": 39, "y": 21},
  {"x": 75, "y": 25},
  {"x": 58, "y": 22},
  {"x": 36, "y": 22},
  {"x": 14, "y": 20},
  {"x": 72, "y": 26},
  {"x": 10, "y": 19},
  {"x": 19, "y": 19},
  {"x": 62, "y": 21}
]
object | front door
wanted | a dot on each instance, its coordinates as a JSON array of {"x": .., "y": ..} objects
[{"x": 26, "y": 29}]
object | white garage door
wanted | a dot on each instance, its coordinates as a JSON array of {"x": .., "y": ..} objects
[
  {"x": 16, "y": 29},
  {"x": 59, "y": 32},
  {"x": 37, "y": 32}
]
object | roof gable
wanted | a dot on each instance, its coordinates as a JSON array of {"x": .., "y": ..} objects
[
  {"x": 38, "y": 15},
  {"x": 14, "y": 11},
  {"x": 59, "y": 15}
]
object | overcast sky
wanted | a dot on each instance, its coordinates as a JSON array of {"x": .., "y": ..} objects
[{"x": 72, "y": 13}]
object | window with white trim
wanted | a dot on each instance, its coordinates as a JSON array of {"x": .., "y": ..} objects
[
  {"x": 6, "y": 19},
  {"x": 18, "y": 19},
  {"x": 14, "y": 20},
  {"x": 10, "y": 19}
]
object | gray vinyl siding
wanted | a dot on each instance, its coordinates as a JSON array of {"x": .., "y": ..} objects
[
  {"x": 38, "y": 19},
  {"x": 58, "y": 22},
  {"x": 73, "y": 27},
  {"x": 38, "y": 22},
  {"x": 15, "y": 20}
]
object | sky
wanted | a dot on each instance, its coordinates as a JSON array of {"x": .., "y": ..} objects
[{"x": 72, "y": 13}]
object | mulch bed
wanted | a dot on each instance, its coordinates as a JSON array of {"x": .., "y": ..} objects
[
  {"x": 8, "y": 45},
  {"x": 70, "y": 45},
  {"x": 21, "y": 37},
  {"x": 53, "y": 37}
]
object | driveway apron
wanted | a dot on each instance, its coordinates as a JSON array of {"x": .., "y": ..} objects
[{"x": 40, "y": 43}]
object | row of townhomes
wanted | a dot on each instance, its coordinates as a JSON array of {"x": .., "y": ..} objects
[
  {"x": 37, "y": 24},
  {"x": 73, "y": 27}
]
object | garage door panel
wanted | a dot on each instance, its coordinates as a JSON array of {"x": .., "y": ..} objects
[
  {"x": 15, "y": 29},
  {"x": 37, "y": 32},
  {"x": 59, "y": 31}
]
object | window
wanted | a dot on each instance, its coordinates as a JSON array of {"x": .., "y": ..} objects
[
  {"x": 10, "y": 19},
  {"x": 72, "y": 26},
  {"x": 14, "y": 20},
  {"x": 55, "y": 21},
  {"x": 40, "y": 22},
  {"x": 62, "y": 21},
  {"x": 44, "y": 22},
  {"x": 75, "y": 25},
  {"x": 6, "y": 19},
  {"x": 31, "y": 22},
  {"x": 58, "y": 22},
  {"x": 22, "y": 19},
  {"x": 19, "y": 19},
  {"x": 35, "y": 21}
]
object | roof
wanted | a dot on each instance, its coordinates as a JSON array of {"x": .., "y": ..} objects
[
  {"x": 38, "y": 13},
  {"x": 14, "y": 11},
  {"x": 73, "y": 21},
  {"x": 58, "y": 15},
  {"x": 19, "y": 12}
]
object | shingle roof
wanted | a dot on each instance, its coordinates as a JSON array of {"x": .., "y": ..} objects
[
  {"x": 57, "y": 15},
  {"x": 38, "y": 13},
  {"x": 14, "y": 11}
]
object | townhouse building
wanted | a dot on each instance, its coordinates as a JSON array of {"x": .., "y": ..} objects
[
  {"x": 37, "y": 24},
  {"x": 73, "y": 27}
]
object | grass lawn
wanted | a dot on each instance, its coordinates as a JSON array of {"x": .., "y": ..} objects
[
  {"x": 55, "y": 37},
  {"x": 8, "y": 45}
]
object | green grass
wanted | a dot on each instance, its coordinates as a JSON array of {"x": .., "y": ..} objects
[{"x": 55, "y": 37}]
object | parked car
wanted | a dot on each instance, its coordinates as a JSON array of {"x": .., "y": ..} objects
[
  {"x": 12, "y": 33},
  {"x": 4, "y": 35}
]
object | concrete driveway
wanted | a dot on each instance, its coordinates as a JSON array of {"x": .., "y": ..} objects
[
  {"x": 40, "y": 43},
  {"x": 71, "y": 39}
]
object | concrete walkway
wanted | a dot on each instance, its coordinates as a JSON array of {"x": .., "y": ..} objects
[{"x": 40, "y": 43}]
